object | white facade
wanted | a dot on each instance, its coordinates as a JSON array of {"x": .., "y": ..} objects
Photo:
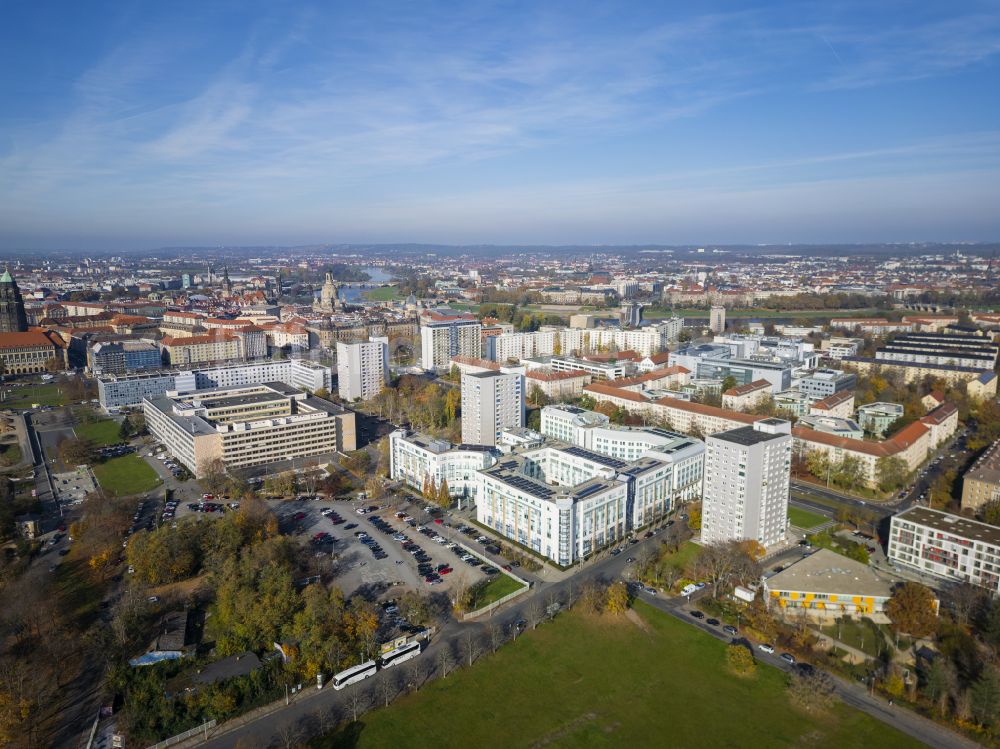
[
  {"x": 362, "y": 368},
  {"x": 247, "y": 426},
  {"x": 746, "y": 484},
  {"x": 647, "y": 341},
  {"x": 592, "y": 431},
  {"x": 443, "y": 336},
  {"x": 491, "y": 402},
  {"x": 717, "y": 320},
  {"x": 946, "y": 546},
  {"x": 125, "y": 391},
  {"x": 566, "y": 502},
  {"x": 419, "y": 460}
]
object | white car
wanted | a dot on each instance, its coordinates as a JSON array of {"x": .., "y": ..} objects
[
  {"x": 689, "y": 589},
  {"x": 765, "y": 648}
]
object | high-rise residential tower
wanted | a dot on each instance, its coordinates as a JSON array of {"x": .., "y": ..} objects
[
  {"x": 491, "y": 402},
  {"x": 745, "y": 492},
  {"x": 362, "y": 368}
]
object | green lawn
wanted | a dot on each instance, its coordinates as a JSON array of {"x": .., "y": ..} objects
[
  {"x": 804, "y": 519},
  {"x": 104, "y": 432},
  {"x": 688, "y": 551},
  {"x": 603, "y": 682},
  {"x": 494, "y": 590},
  {"x": 18, "y": 398},
  {"x": 382, "y": 294},
  {"x": 126, "y": 475},
  {"x": 860, "y": 635}
]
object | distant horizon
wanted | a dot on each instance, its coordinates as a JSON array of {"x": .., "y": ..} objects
[{"x": 346, "y": 250}]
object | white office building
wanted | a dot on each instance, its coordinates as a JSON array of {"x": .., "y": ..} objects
[
  {"x": 592, "y": 431},
  {"x": 746, "y": 484},
  {"x": 247, "y": 426},
  {"x": 362, "y": 368},
  {"x": 421, "y": 461},
  {"x": 128, "y": 391},
  {"x": 445, "y": 333},
  {"x": 565, "y": 502},
  {"x": 491, "y": 402}
]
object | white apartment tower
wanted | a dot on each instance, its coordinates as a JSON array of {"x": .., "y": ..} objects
[
  {"x": 362, "y": 368},
  {"x": 717, "y": 320},
  {"x": 491, "y": 402},
  {"x": 444, "y": 334},
  {"x": 745, "y": 492}
]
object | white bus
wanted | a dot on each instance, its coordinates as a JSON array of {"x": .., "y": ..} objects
[
  {"x": 400, "y": 654},
  {"x": 356, "y": 673}
]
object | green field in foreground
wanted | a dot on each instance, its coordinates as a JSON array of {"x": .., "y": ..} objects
[
  {"x": 804, "y": 519},
  {"x": 382, "y": 294},
  {"x": 19, "y": 398},
  {"x": 494, "y": 590},
  {"x": 583, "y": 680},
  {"x": 101, "y": 433},
  {"x": 126, "y": 475}
]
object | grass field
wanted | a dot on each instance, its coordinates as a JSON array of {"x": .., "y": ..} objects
[
  {"x": 804, "y": 519},
  {"x": 104, "y": 432},
  {"x": 494, "y": 590},
  {"x": 591, "y": 681},
  {"x": 688, "y": 551},
  {"x": 126, "y": 475},
  {"x": 861, "y": 635},
  {"x": 19, "y": 398},
  {"x": 382, "y": 294}
]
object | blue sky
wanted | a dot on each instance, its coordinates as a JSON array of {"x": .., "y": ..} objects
[{"x": 131, "y": 125}]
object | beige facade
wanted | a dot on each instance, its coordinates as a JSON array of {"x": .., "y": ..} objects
[{"x": 248, "y": 426}]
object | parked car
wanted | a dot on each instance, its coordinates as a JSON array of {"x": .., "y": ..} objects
[{"x": 765, "y": 648}]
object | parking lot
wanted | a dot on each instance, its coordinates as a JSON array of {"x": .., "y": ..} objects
[{"x": 381, "y": 547}]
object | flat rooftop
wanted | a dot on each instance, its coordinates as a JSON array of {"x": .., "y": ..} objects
[
  {"x": 953, "y": 524},
  {"x": 828, "y": 572},
  {"x": 746, "y": 436}
]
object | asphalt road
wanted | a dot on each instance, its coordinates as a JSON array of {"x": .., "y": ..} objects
[{"x": 314, "y": 708}]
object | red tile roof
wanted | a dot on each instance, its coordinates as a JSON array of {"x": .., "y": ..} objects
[
  {"x": 832, "y": 401},
  {"x": 750, "y": 387},
  {"x": 550, "y": 376}
]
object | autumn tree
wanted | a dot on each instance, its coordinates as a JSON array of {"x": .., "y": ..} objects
[
  {"x": 891, "y": 473},
  {"x": 740, "y": 659},
  {"x": 617, "y": 599},
  {"x": 913, "y": 610}
]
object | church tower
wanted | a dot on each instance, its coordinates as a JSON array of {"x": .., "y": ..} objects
[{"x": 12, "y": 316}]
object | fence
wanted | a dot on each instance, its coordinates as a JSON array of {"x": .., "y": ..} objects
[
  {"x": 491, "y": 606},
  {"x": 203, "y": 728}
]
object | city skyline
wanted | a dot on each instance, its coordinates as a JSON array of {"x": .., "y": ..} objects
[{"x": 505, "y": 125}]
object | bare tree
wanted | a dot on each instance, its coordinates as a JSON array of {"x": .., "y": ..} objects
[
  {"x": 445, "y": 660},
  {"x": 496, "y": 635},
  {"x": 388, "y": 687},
  {"x": 533, "y": 611},
  {"x": 289, "y": 735},
  {"x": 471, "y": 646},
  {"x": 358, "y": 700},
  {"x": 327, "y": 719},
  {"x": 416, "y": 673}
]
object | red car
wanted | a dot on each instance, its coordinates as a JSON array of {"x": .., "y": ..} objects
[
  {"x": 508, "y": 568},
  {"x": 445, "y": 571},
  {"x": 438, "y": 521}
]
